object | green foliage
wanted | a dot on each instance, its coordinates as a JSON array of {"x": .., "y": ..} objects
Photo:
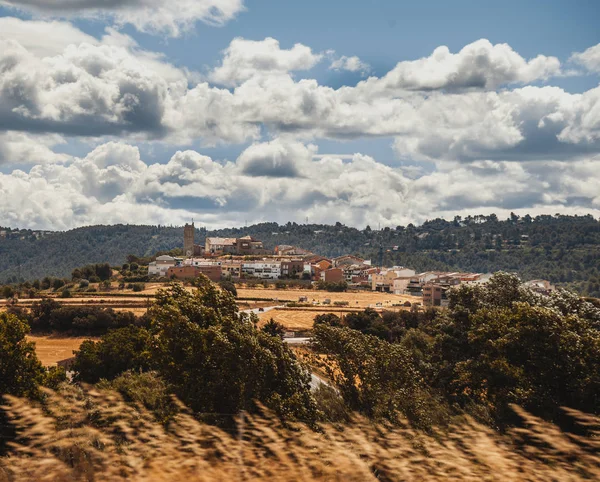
[
  {"x": 100, "y": 271},
  {"x": 374, "y": 377},
  {"x": 228, "y": 286},
  {"x": 147, "y": 389},
  {"x": 332, "y": 286},
  {"x": 54, "y": 377},
  {"x": 137, "y": 287},
  {"x": 329, "y": 319},
  {"x": 119, "y": 350},
  {"x": 217, "y": 362},
  {"x": 20, "y": 370},
  {"x": 331, "y": 405},
  {"x": 49, "y": 315},
  {"x": 273, "y": 328}
]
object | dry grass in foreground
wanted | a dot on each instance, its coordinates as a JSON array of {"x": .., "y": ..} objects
[{"x": 99, "y": 437}]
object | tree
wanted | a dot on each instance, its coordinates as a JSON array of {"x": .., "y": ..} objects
[
  {"x": 217, "y": 362},
  {"x": 228, "y": 285},
  {"x": 57, "y": 284},
  {"x": 119, "y": 350},
  {"x": 374, "y": 377},
  {"x": 273, "y": 328},
  {"x": 20, "y": 370},
  {"x": 329, "y": 319}
]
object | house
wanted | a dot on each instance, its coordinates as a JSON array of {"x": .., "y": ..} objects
[
  {"x": 292, "y": 268},
  {"x": 247, "y": 245},
  {"x": 231, "y": 269},
  {"x": 434, "y": 294},
  {"x": 262, "y": 269},
  {"x": 212, "y": 272},
  {"x": 332, "y": 275},
  {"x": 384, "y": 280},
  {"x": 346, "y": 260},
  {"x": 161, "y": 265},
  {"x": 288, "y": 250},
  {"x": 217, "y": 246}
]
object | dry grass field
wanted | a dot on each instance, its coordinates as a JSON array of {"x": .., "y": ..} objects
[
  {"x": 361, "y": 299},
  {"x": 95, "y": 436},
  {"x": 298, "y": 319},
  {"x": 292, "y": 320},
  {"x": 52, "y": 348}
]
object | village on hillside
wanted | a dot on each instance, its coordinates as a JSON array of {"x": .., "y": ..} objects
[{"x": 246, "y": 258}]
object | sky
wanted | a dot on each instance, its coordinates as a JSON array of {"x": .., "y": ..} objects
[{"x": 372, "y": 112}]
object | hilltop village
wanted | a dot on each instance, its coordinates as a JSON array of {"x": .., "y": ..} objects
[{"x": 245, "y": 258}]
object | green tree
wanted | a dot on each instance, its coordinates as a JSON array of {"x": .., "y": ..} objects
[
  {"x": 119, "y": 350},
  {"x": 375, "y": 377},
  {"x": 273, "y": 328},
  {"x": 216, "y": 360},
  {"x": 20, "y": 370}
]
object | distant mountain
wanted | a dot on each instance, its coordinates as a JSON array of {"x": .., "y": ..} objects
[{"x": 563, "y": 249}]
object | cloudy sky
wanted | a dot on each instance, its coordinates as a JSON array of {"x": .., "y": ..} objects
[{"x": 235, "y": 111}]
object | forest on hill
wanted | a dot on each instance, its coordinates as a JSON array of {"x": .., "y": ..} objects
[{"x": 562, "y": 249}]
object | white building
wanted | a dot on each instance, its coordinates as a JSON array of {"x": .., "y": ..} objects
[
  {"x": 161, "y": 265},
  {"x": 262, "y": 269}
]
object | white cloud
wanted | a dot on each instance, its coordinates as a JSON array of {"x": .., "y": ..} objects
[
  {"x": 590, "y": 58},
  {"x": 112, "y": 182},
  {"x": 41, "y": 38},
  {"x": 276, "y": 159},
  {"x": 479, "y": 65},
  {"x": 110, "y": 87},
  {"x": 351, "y": 64},
  {"x": 21, "y": 148},
  {"x": 245, "y": 59},
  {"x": 151, "y": 16}
]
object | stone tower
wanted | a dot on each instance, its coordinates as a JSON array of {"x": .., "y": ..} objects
[{"x": 188, "y": 239}]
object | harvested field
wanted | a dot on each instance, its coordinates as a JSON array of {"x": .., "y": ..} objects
[
  {"x": 53, "y": 348},
  {"x": 297, "y": 319},
  {"x": 360, "y": 299}
]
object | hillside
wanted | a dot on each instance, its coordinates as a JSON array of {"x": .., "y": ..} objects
[{"x": 563, "y": 249}]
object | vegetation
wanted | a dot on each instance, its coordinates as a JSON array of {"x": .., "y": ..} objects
[
  {"x": 498, "y": 344},
  {"x": 95, "y": 435},
  {"x": 212, "y": 356},
  {"x": 48, "y": 315},
  {"x": 563, "y": 249}
]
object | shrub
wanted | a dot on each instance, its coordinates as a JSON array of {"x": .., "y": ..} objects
[
  {"x": 66, "y": 293},
  {"x": 137, "y": 287}
]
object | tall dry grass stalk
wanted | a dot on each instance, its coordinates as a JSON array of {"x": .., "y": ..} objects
[{"x": 95, "y": 436}]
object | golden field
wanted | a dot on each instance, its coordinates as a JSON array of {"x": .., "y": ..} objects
[
  {"x": 52, "y": 348},
  {"x": 359, "y": 299}
]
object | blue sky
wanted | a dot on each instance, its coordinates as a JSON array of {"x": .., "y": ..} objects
[{"x": 527, "y": 111}]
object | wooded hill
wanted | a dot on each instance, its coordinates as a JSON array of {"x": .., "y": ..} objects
[{"x": 563, "y": 249}]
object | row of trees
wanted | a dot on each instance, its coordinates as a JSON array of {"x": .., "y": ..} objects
[{"x": 496, "y": 345}]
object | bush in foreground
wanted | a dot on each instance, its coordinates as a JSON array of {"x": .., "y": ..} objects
[{"x": 94, "y": 435}]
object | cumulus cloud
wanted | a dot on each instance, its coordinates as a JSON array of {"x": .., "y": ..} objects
[
  {"x": 151, "y": 16},
  {"x": 276, "y": 159},
  {"x": 42, "y": 38},
  {"x": 590, "y": 58},
  {"x": 479, "y": 65},
  {"x": 351, "y": 64},
  {"x": 245, "y": 59},
  {"x": 20, "y": 148},
  {"x": 112, "y": 181},
  {"x": 446, "y": 107}
]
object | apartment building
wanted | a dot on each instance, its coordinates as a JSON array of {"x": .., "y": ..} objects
[{"x": 262, "y": 269}]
